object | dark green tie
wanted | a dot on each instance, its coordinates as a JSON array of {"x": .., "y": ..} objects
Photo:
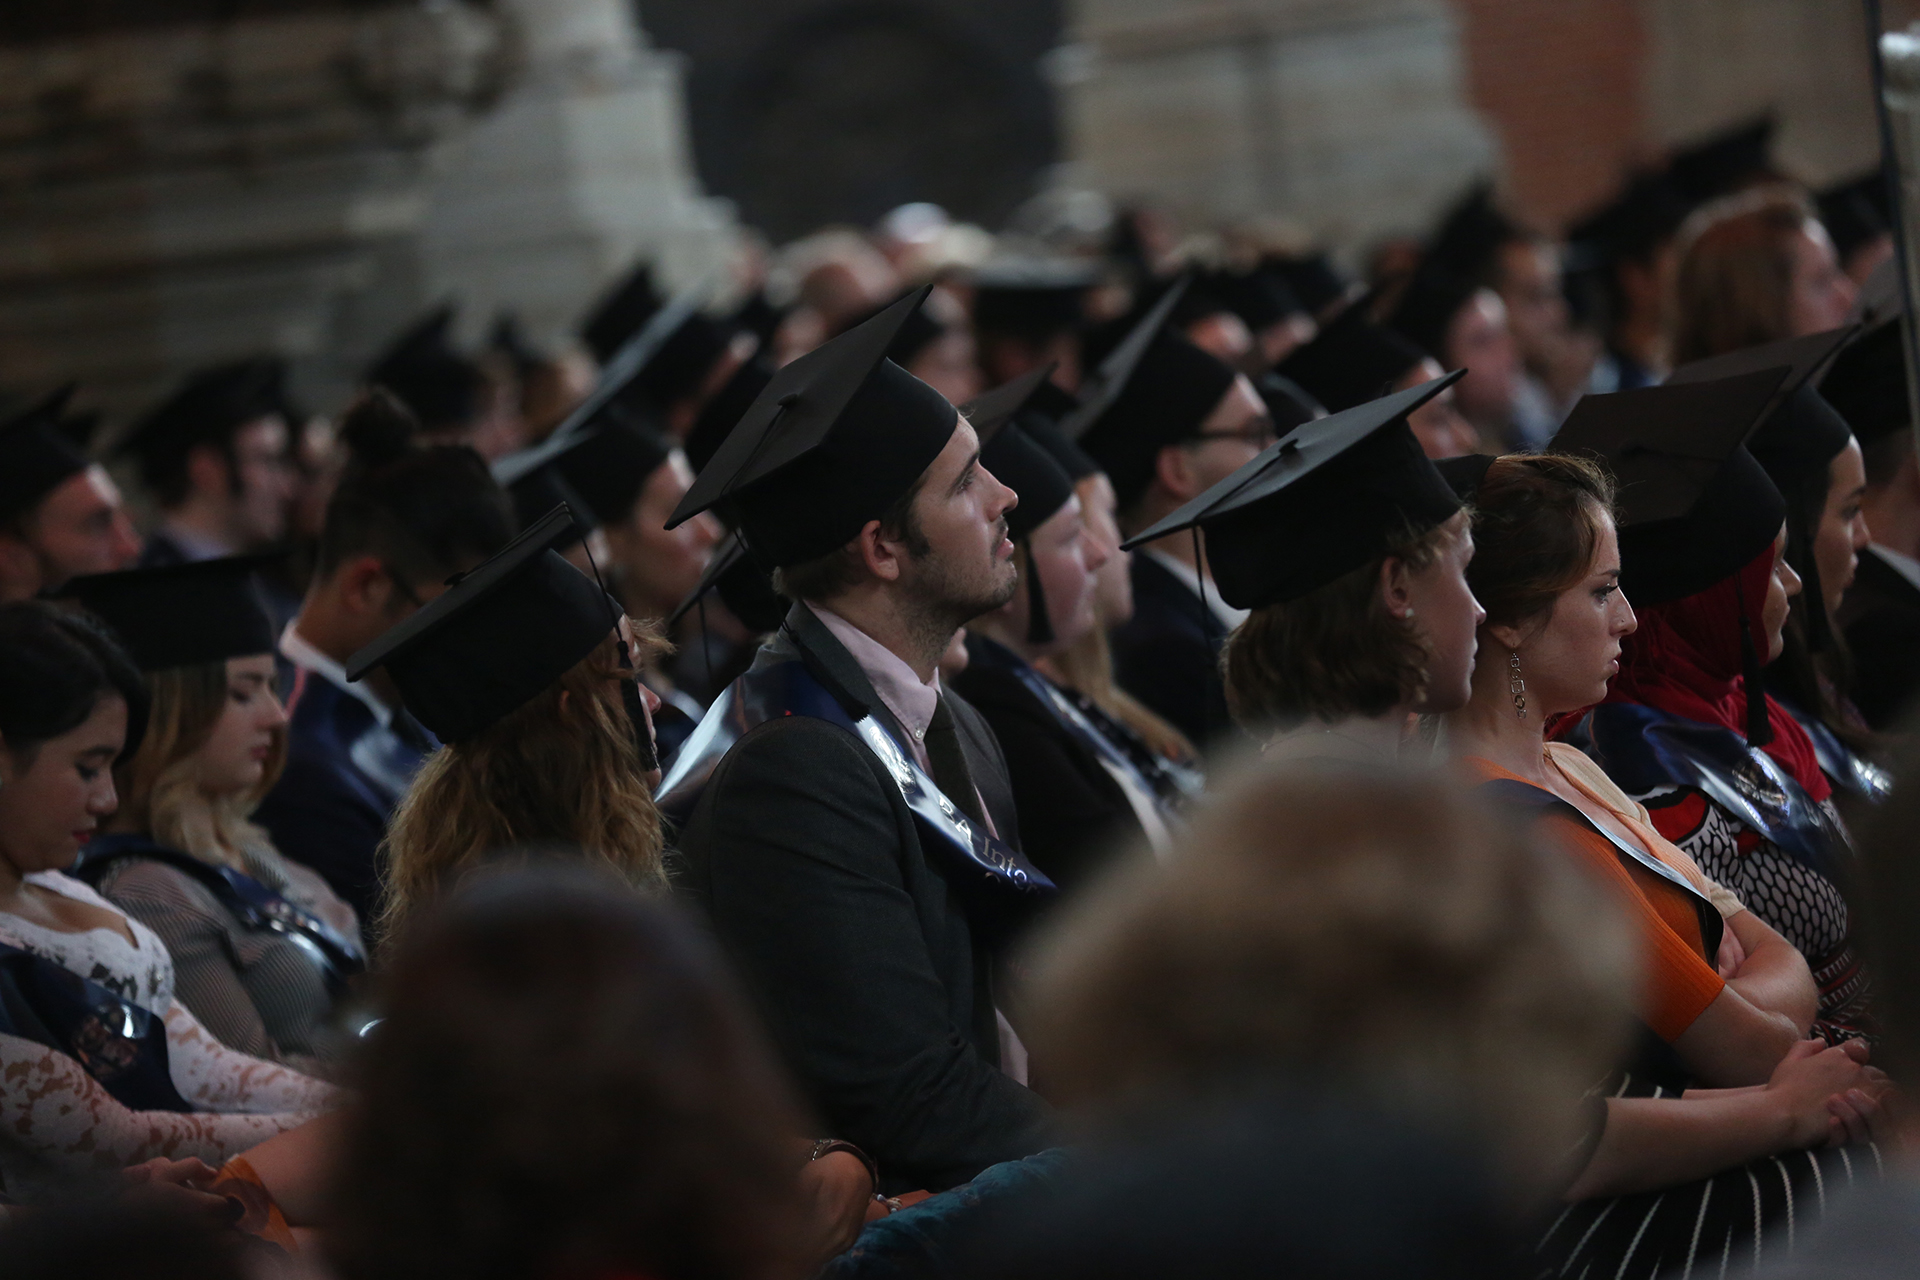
[{"x": 949, "y": 765}]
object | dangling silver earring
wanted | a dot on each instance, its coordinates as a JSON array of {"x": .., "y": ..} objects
[{"x": 1516, "y": 687}]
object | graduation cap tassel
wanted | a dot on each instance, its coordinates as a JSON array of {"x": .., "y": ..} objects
[
  {"x": 1039, "y": 624},
  {"x": 629, "y": 689},
  {"x": 1759, "y": 727},
  {"x": 1200, "y": 574}
]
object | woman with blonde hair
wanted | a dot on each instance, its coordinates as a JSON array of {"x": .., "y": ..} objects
[
  {"x": 527, "y": 671},
  {"x": 262, "y": 948}
]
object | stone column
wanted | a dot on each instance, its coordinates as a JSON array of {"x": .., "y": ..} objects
[
  {"x": 1347, "y": 115},
  {"x": 181, "y": 194}
]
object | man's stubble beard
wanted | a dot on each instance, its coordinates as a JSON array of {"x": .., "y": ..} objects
[{"x": 942, "y": 600}]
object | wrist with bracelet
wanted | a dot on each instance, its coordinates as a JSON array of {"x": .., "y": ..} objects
[{"x": 827, "y": 1146}]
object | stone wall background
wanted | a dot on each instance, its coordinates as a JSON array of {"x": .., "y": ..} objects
[{"x": 184, "y": 181}]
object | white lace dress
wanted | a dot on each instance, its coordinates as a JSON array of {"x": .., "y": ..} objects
[{"x": 54, "y": 1118}]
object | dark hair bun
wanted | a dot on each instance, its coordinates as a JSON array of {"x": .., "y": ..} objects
[{"x": 378, "y": 428}]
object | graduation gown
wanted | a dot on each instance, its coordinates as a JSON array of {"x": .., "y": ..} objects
[
  {"x": 874, "y": 980},
  {"x": 1168, "y": 654},
  {"x": 1073, "y": 815}
]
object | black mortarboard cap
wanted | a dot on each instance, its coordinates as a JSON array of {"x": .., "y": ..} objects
[
  {"x": 992, "y": 410},
  {"x": 206, "y": 410},
  {"x": 1471, "y": 235},
  {"x": 1040, "y": 417},
  {"x": 1318, "y": 504},
  {"x": 610, "y": 467},
  {"x": 834, "y": 440},
  {"x": 1432, "y": 298},
  {"x": 1174, "y": 388},
  {"x": 1648, "y": 211},
  {"x": 1855, "y": 211},
  {"x": 1724, "y": 162},
  {"x": 510, "y": 340},
  {"x": 1695, "y": 508},
  {"x": 683, "y": 362},
  {"x": 182, "y": 615},
  {"x": 1261, "y": 297},
  {"x": 1464, "y": 472},
  {"x": 496, "y": 637},
  {"x": 1118, "y": 346},
  {"x": 1796, "y": 440},
  {"x": 1351, "y": 361},
  {"x": 422, "y": 367},
  {"x": 541, "y": 490},
  {"x": 1016, "y": 461},
  {"x": 727, "y": 406},
  {"x": 620, "y": 314},
  {"x": 1033, "y": 299},
  {"x": 743, "y": 586},
  {"x": 1867, "y": 382},
  {"x": 1800, "y": 432},
  {"x": 1288, "y": 403},
  {"x": 37, "y": 453},
  {"x": 1312, "y": 278},
  {"x": 917, "y": 332}
]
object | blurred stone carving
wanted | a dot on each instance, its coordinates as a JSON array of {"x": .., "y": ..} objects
[{"x": 305, "y": 182}]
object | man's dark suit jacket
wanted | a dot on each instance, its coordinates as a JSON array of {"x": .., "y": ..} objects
[
  {"x": 1881, "y": 620},
  {"x": 1073, "y": 815},
  {"x": 1168, "y": 654},
  {"x": 860, "y": 952}
]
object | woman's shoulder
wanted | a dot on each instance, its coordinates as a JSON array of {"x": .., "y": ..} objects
[{"x": 1584, "y": 772}]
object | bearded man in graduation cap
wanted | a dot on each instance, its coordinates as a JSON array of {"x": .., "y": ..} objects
[{"x": 856, "y": 845}]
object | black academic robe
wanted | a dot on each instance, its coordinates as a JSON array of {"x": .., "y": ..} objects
[
  {"x": 1073, "y": 816},
  {"x": 864, "y": 959},
  {"x": 1880, "y": 618},
  {"x": 1168, "y": 654}
]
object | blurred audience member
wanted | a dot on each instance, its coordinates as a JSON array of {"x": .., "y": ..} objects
[
  {"x": 1027, "y": 313},
  {"x": 1880, "y": 613},
  {"x": 1627, "y": 261},
  {"x": 1463, "y": 325},
  {"x": 1856, "y": 216},
  {"x": 216, "y": 458},
  {"x": 1295, "y": 1184},
  {"x": 1182, "y": 422},
  {"x": 1380, "y": 940},
  {"x": 1354, "y": 360},
  {"x": 1078, "y": 792},
  {"x": 60, "y": 513},
  {"x": 1756, "y": 267},
  {"x": 100, "y": 1066},
  {"x": 565, "y": 1083},
  {"x": 261, "y": 946},
  {"x": 404, "y": 519},
  {"x": 454, "y": 397},
  {"x": 526, "y": 670},
  {"x": 1703, "y": 555}
]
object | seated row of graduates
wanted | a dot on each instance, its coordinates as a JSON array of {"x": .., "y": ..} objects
[{"x": 853, "y": 830}]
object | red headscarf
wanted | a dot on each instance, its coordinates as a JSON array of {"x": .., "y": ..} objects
[{"x": 1685, "y": 660}]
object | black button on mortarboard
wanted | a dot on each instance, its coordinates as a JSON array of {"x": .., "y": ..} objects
[{"x": 1318, "y": 504}]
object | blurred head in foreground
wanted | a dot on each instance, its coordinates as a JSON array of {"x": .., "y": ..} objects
[
  {"x": 1379, "y": 940},
  {"x": 565, "y": 1084}
]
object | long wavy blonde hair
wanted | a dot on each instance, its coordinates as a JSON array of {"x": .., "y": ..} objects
[
  {"x": 561, "y": 770},
  {"x": 159, "y": 786}
]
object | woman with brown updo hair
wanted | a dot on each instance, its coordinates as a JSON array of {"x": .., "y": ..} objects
[{"x": 1756, "y": 267}]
